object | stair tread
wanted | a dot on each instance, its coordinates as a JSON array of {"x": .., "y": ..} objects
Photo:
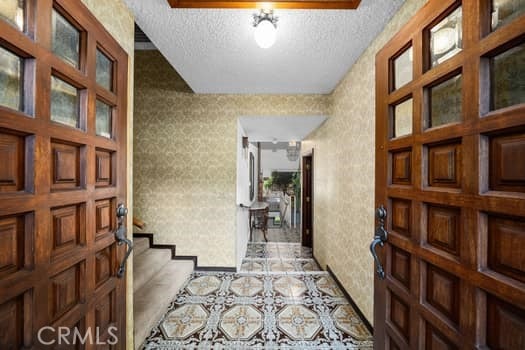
[
  {"x": 140, "y": 245},
  {"x": 148, "y": 264},
  {"x": 152, "y": 300}
]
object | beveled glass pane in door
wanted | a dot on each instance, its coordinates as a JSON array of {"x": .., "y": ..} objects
[
  {"x": 103, "y": 120},
  {"x": 66, "y": 40},
  {"x": 402, "y": 118},
  {"x": 507, "y": 71},
  {"x": 104, "y": 71},
  {"x": 403, "y": 68},
  {"x": 445, "y": 102},
  {"x": 64, "y": 103},
  {"x": 12, "y": 11},
  {"x": 505, "y": 11},
  {"x": 11, "y": 82},
  {"x": 446, "y": 38}
]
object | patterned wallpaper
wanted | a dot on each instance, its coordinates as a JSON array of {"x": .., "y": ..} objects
[
  {"x": 117, "y": 19},
  {"x": 185, "y": 158},
  {"x": 344, "y": 173}
]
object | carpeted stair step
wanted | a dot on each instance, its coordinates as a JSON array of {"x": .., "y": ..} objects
[
  {"x": 148, "y": 264},
  {"x": 151, "y": 301},
  {"x": 140, "y": 245}
]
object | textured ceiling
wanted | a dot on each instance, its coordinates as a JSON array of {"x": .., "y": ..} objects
[
  {"x": 268, "y": 129},
  {"x": 215, "y": 52}
]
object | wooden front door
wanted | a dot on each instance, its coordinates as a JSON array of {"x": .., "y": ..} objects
[
  {"x": 63, "y": 96},
  {"x": 307, "y": 222},
  {"x": 450, "y": 155}
]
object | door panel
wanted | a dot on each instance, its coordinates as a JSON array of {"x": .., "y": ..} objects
[
  {"x": 307, "y": 214},
  {"x": 62, "y": 175},
  {"x": 450, "y": 175}
]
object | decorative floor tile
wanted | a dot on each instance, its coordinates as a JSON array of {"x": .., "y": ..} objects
[
  {"x": 281, "y": 266},
  {"x": 241, "y": 322},
  {"x": 298, "y": 322},
  {"x": 252, "y": 266},
  {"x": 327, "y": 285},
  {"x": 285, "y": 234},
  {"x": 280, "y": 300},
  {"x": 184, "y": 321},
  {"x": 290, "y": 286},
  {"x": 247, "y": 286},
  {"x": 310, "y": 266},
  {"x": 203, "y": 285},
  {"x": 346, "y": 319}
]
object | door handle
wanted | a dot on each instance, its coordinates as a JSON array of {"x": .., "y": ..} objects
[
  {"x": 120, "y": 237},
  {"x": 380, "y": 237}
]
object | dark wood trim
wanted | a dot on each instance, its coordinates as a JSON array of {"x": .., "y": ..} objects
[
  {"x": 172, "y": 247},
  {"x": 260, "y": 182},
  {"x": 368, "y": 325},
  {"x": 307, "y": 222},
  {"x": 152, "y": 245},
  {"x": 149, "y": 236},
  {"x": 318, "y": 4},
  {"x": 316, "y": 261},
  {"x": 187, "y": 257},
  {"x": 216, "y": 268}
]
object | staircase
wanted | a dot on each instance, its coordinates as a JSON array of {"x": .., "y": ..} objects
[{"x": 156, "y": 280}]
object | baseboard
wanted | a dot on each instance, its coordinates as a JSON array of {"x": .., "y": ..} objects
[
  {"x": 316, "y": 261},
  {"x": 149, "y": 236},
  {"x": 216, "y": 268},
  {"x": 174, "y": 256},
  {"x": 368, "y": 325},
  {"x": 187, "y": 257}
]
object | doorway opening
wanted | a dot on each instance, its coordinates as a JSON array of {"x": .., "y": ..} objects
[
  {"x": 280, "y": 187},
  {"x": 269, "y": 190}
]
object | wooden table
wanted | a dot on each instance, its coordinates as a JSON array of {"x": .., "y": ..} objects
[{"x": 259, "y": 212}]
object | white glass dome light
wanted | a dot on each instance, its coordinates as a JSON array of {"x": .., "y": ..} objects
[
  {"x": 265, "y": 34},
  {"x": 265, "y": 29}
]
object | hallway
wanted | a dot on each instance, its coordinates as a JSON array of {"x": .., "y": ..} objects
[
  {"x": 279, "y": 300},
  {"x": 283, "y": 235}
]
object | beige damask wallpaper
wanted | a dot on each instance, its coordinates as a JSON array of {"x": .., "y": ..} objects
[
  {"x": 344, "y": 173},
  {"x": 185, "y": 158}
]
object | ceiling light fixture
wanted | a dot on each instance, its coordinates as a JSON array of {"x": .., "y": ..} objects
[
  {"x": 292, "y": 151},
  {"x": 265, "y": 24}
]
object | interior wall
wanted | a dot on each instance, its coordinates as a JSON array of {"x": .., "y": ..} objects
[
  {"x": 344, "y": 173},
  {"x": 118, "y": 20},
  {"x": 243, "y": 193},
  {"x": 185, "y": 158},
  {"x": 276, "y": 161}
]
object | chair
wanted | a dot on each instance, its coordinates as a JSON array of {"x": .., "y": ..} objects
[{"x": 278, "y": 207}]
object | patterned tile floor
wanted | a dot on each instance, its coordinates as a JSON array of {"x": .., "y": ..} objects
[
  {"x": 279, "y": 300},
  {"x": 284, "y": 234}
]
